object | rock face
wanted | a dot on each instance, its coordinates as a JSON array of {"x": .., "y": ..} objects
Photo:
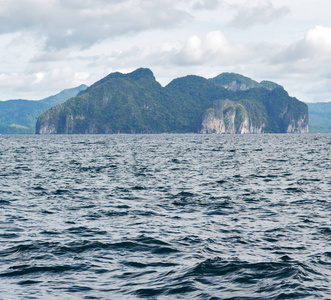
[
  {"x": 137, "y": 103},
  {"x": 229, "y": 117},
  {"x": 298, "y": 126},
  {"x": 236, "y": 82},
  {"x": 236, "y": 86},
  {"x": 287, "y": 114}
]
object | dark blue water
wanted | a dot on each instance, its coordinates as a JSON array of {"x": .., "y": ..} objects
[{"x": 165, "y": 217}]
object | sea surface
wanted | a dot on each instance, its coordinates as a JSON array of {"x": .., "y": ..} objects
[{"x": 165, "y": 217}]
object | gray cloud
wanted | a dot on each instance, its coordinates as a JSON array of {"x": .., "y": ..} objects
[
  {"x": 83, "y": 23},
  {"x": 206, "y": 4},
  {"x": 69, "y": 42},
  {"x": 264, "y": 12}
]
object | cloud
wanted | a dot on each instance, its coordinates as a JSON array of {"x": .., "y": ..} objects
[
  {"x": 305, "y": 64},
  {"x": 25, "y": 85},
  {"x": 214, "y": 47},
  {"x": 262, "y": 13},
  {"x": 50, "y": 56},
  {"x": 206, "y": 4},
  {"x": 210, "y": 48},
  {"x": 66, "y": 23},
  {"x": 315, "y": 45}
]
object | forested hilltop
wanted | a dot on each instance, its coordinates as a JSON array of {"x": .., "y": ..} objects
[
  {"x": 20, "y": 116},
  {"x": 137, "y": 103}
]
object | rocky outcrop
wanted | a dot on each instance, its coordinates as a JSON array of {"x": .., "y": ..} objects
[
  {"x": 228, "y": 117},
  {"x": 236, "y": 86},
  {"x": 236, "y": 82},
  {"x": 286, "y": 114},
  {"x": 46, "y": 123}
]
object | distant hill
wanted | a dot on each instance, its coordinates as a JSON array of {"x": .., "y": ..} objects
[
  {"x": 20, "y": 116},
  {"x": 319, "y": 117},
  {"x": 137, "y": 103}
]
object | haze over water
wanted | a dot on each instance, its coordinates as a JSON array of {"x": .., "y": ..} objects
[{"x": 165, "y": 217}]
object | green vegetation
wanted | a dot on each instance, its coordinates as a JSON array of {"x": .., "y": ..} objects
[
  {"x": 137, "y": 103},
  {"x": 319, "y": 129},
  {"x": 319, "y": 117},
  {"x": 20, "y": 116},
  {"x": 15, "y": 129},
  {"x": 270, "y": 85}
]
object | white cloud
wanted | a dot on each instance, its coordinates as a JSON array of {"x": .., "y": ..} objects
[
  {"x": 25, "y": 85},
  {"x": 320, "y": 39},
  {"x": 306, "y": 64},
  {"x": 261, "y": 13},
  {"x": 213, "y": 48},
  {"x": 316, "y": 44}
]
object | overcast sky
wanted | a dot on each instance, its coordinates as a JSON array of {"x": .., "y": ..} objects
[{"x": 47, "y": 46}]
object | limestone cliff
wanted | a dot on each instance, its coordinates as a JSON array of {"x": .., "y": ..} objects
[
  {"x": 298, "y": 126},
  {"x": 229, "y": 117},
  {"x": 236, "y": 86},
  {"x": 286, "y": 114}
]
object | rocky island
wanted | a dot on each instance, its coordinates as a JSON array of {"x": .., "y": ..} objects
[{"x": 137, "y": 103}]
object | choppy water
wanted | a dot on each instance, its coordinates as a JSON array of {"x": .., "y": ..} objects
[{"x": 165, "y": 217}]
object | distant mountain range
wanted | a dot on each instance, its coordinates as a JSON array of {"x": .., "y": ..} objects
[
  {"x": 20, "y": 116},
  {"x": 137, "y": 103},
  {"x": 319, "y": 117}
]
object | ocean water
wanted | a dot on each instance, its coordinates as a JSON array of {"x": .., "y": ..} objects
[{"x": 165, "y": 217}]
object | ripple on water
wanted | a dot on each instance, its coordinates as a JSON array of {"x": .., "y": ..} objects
[{"x": 165, "y": 217}]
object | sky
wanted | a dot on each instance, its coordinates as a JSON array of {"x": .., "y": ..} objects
[{"x": 48, "y": 46}]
